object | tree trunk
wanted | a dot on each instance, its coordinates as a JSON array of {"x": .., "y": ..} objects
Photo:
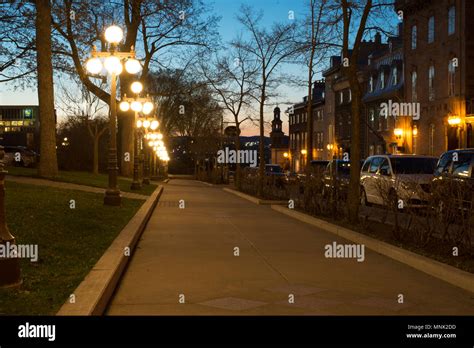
[
  {"x": 238, "y": 168},
  {"x": 354, "y": 183},
  {"x": 48, "y": 165},
  {"x": 261, "y": 145},
  {"x": 95, "y": 165}
]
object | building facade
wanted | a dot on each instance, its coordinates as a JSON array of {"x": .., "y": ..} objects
[
  {"x": 298, "y": 128},
  {"x": 19, "y": 126},
  {"x": 438, "y": 50},
  {"x": 387, "y": 131}
]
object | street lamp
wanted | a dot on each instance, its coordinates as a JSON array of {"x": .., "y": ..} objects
[
  {"x": 147, "y": 124},
  {"x": 113, "y": 63},
  {"x": 145, "y": 106}
]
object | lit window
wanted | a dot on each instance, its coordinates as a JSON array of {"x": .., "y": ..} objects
[
  {"x": 350, "y": 96},
  {"x": 431, "y": 29},
  {"x": 341, "y": 97},
  {"x": 371, "y": 84},
  {"x": 395, "y": 76},
  {"x": 382, "y": 80},
  {"x": 452, "y": 20}
]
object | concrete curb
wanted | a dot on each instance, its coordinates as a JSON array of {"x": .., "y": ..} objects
[
  {"x": 449, "y": 274},
  {"x": 254, "y": 199},
  {"x": 205, "y": 183},
  {"x": 166, "y": 181},
  {"x": 95, "y": 291}
]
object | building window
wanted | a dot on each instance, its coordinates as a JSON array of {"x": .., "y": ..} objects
[
  {"x": 431, "y": 86},
  {"x": 452, "y": 20},
  {"x": 350, "y": 95},
  {"x": 372, "y": 118},
  {"x": 431, "y": 29},
  {"x": 382, "y": 80},
  {"x": 395, "y": 76},
  {"x": 451, "y": 78},
  {"x": 371, "y": 84},
  {"x": 341, "y": 97},
  {"x": 414, "y": 82},
  {"x": 413, "y": 37}
]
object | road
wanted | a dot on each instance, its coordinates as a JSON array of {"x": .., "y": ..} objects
[{"x": 281, "y": 268}]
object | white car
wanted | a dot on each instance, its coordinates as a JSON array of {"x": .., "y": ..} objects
[{"x": 397, "y": 180}]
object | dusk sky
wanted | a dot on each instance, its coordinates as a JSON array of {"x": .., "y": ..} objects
[{"x": 229, "y": 27}]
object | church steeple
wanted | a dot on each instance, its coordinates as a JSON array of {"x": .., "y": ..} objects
[
  {"x": 276, "y": 134},
  {"x": 276, "y": 123}
]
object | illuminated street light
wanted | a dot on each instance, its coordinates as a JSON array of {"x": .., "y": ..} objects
[
  {"x": 114, "y": 34},
  {"x": 454, "y": 120},
  {"x": 136, "y": 87},
  {"x": 147, "y": 108},
  {"x": 113, "y": 63},
  {"x": 136, "y": 106},
  {"x": 154, "y": 125},
  {"x": 94, "y": 66},
  {"x": 133, "y": 66},
  {"x": 124, "y": 106}
]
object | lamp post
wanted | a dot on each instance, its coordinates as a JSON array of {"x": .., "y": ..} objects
[
  {"x": 146, "y": 124},
  {"x": 113, "y": 63},
  {"x": 137, "y": 104},
  {"x": 9, "y": 266}
]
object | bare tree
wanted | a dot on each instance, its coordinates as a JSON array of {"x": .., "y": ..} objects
[
  {"x": 232, "y": 78},
  {"x": 317, "y": 36},
  {"x": 17, "y": 41},
  {"x": 268, "y": 49},
  {"x": 88, "y": 109},
  {"x": 357, "y": 19},
  {"x": 159, "y": 26},
  {"x": 48, "y": 166}
]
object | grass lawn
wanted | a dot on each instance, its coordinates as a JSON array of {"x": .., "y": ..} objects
[
  {"x": 70, "y": 242},
  {"x": 85, "y": 178}
]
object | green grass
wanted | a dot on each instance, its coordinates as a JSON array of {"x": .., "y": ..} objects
[
  {"x": 84, "y": 178},
  {"x": 70, "y": 242}
]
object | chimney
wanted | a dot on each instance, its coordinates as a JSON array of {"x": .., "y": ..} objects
[{"x": 318, "y": 89}]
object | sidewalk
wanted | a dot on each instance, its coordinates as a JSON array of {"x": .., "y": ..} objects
[
  {"x": 67, "y": 186},
  {"x": 190, "y": 252}
]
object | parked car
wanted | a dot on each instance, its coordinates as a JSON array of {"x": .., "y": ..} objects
[
  {"x": 274, "y": 169},
  {"x": 20, "y": 156},
  {"x": 386, "y": 179},
  {"x": 336, "y": 175},
  {"x": 454, "y": 177}
]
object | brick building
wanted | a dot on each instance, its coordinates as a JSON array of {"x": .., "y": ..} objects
[
  {"x": 385, "y": 85},
  {"x": 438, "y": 50},
  {"x": 298, "y": 118}
]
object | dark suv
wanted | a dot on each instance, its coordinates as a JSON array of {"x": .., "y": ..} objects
[{"x": 454, "y": 177}]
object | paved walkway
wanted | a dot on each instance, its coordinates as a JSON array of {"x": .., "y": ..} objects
[
  {"x": 68, "y": 186},
  {"x": 190, "y": 252}
]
